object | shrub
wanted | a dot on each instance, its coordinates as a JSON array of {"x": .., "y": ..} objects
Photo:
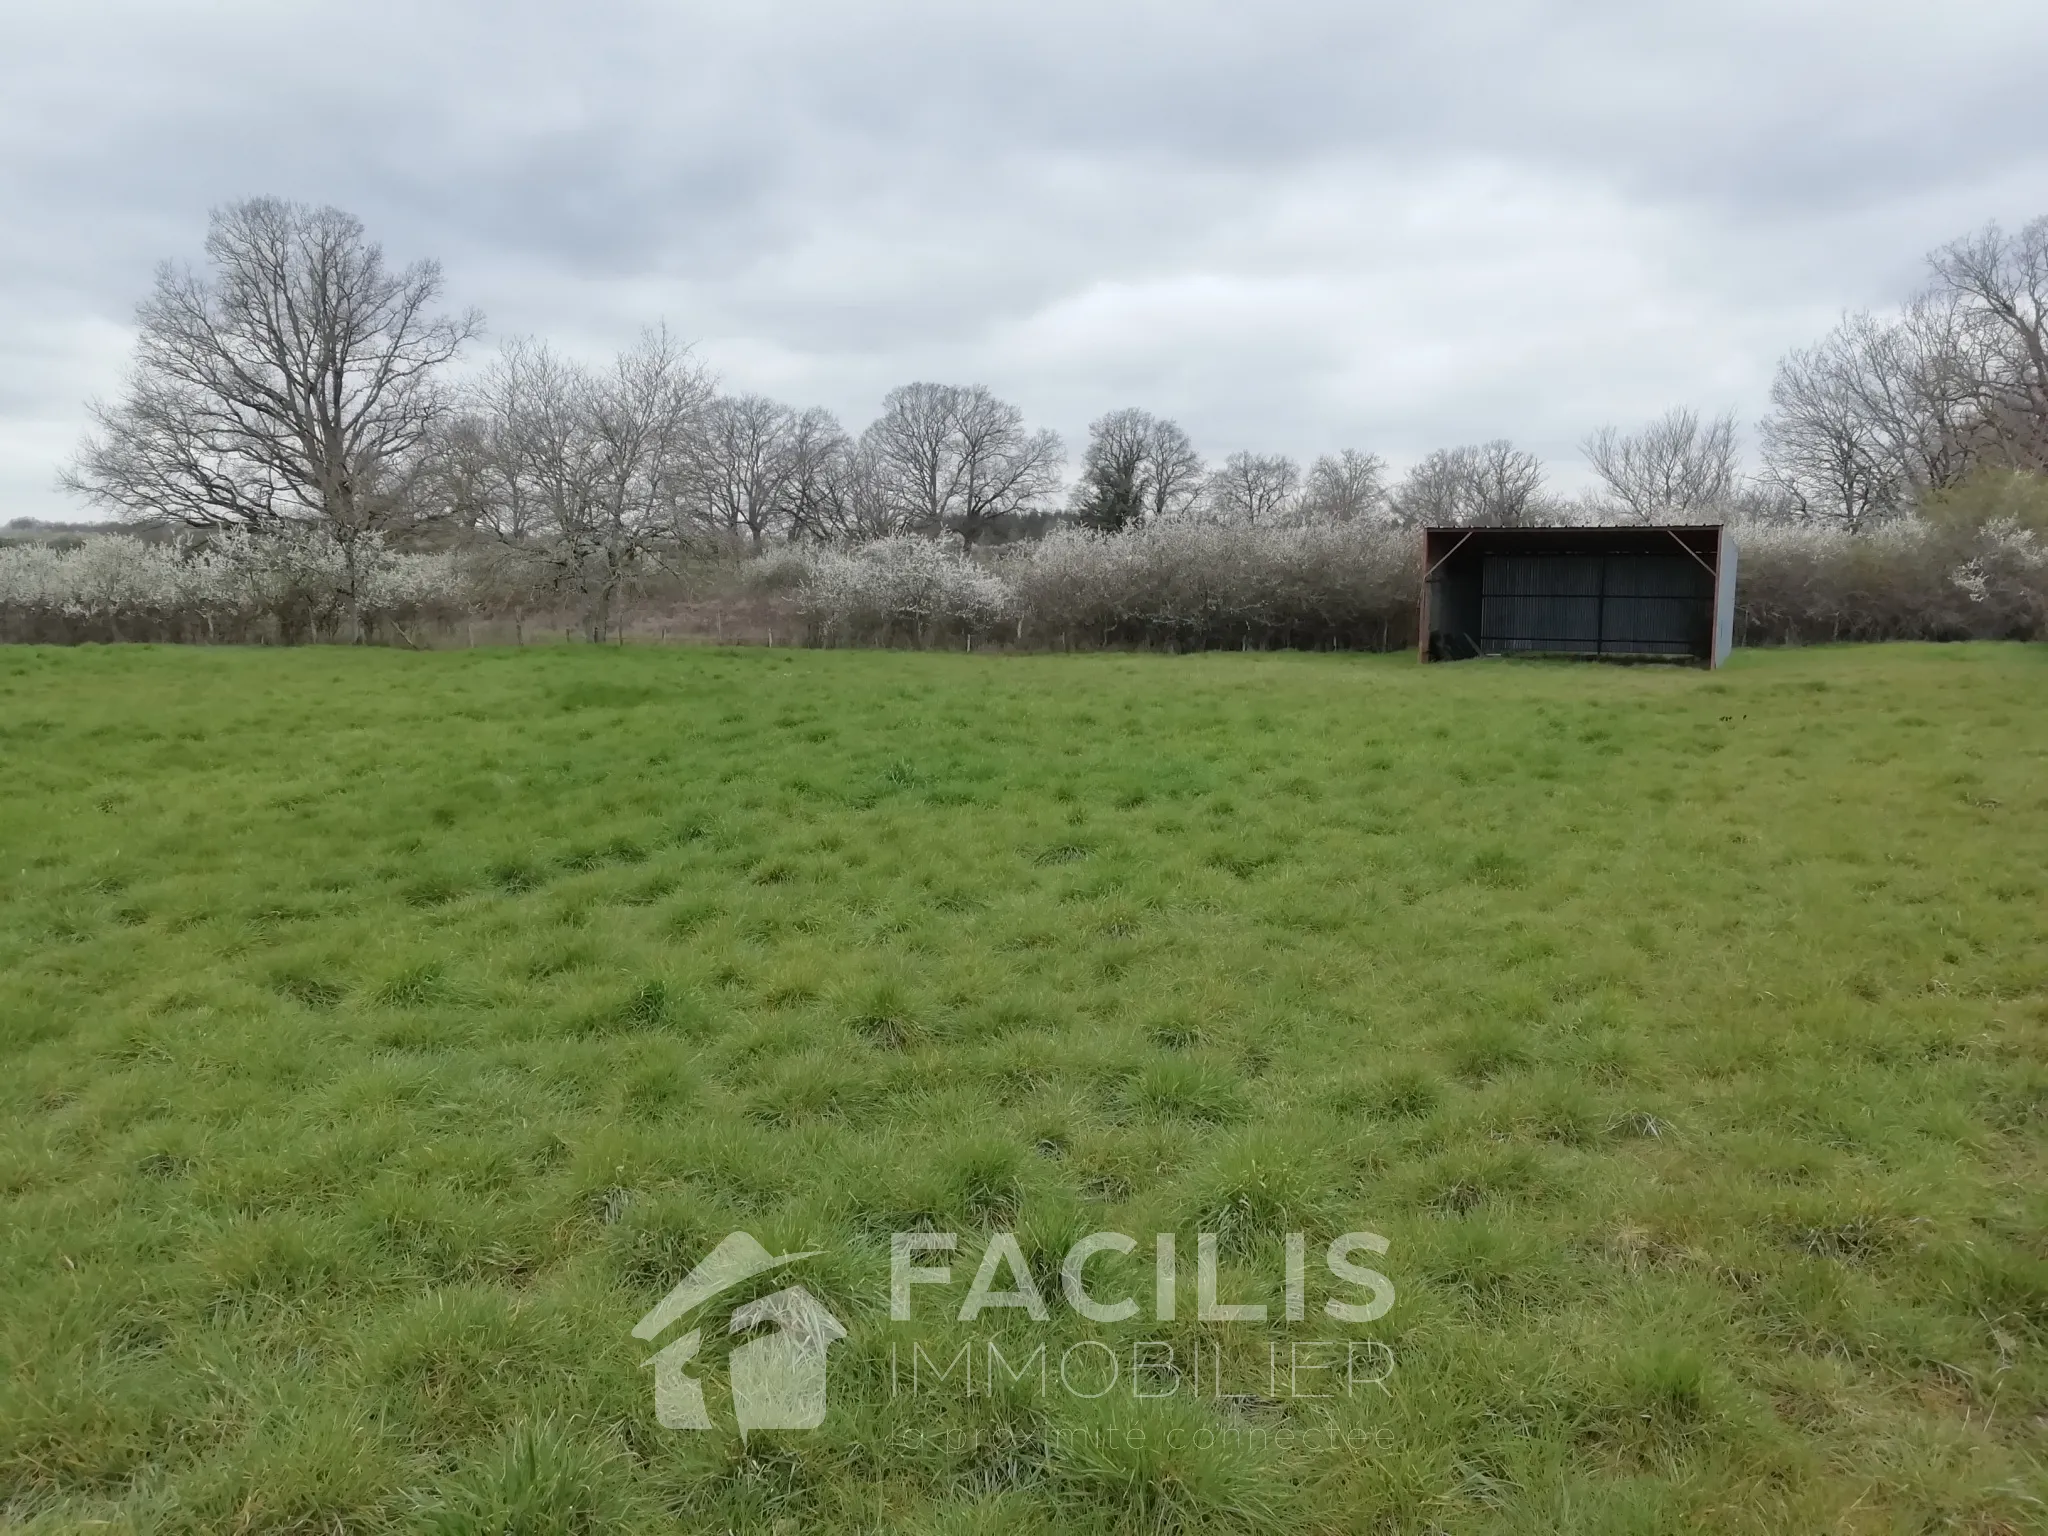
[
  {"x": 1202, "y": 586},
  {"x": 1184, "y": 586},
  {"x": 898, "y": 591},
  {"x": 230, "y": 585},
  {"x": 1177, "y": 585},
  {"x": 1975, "y": 568},
  {"x": 1908, "y": 581}
]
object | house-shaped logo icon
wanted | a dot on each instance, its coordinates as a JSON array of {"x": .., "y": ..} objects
[{"x": 778, "y": 1379}]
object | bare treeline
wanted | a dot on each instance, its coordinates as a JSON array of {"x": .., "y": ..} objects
[
  {"x": 300, "y": 384},
  {"x": 1883, "y": 412}
]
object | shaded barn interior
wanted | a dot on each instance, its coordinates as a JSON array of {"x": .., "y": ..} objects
[{"x": 1661, "y": 592}]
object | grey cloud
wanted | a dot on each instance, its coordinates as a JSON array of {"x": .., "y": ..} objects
[{"x": 1296, "y": 225}]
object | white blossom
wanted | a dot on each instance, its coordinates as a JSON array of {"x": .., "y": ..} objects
[{"x": 220, "y": 584}]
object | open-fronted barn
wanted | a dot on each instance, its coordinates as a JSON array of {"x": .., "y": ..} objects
[{"x": 1652, "y": 592}]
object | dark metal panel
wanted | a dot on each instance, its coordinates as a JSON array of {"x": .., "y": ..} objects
[
  {"x": 1540, "y": 603},
  {"x": 1657, "y": 576},
  {"x": 1657, "y": 605},
  {"x": 1542, "y": 575}
]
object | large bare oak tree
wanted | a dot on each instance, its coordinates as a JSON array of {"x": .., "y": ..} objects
[
  {"x": 295, "y": 381},
  {"x": 958, "y": 460}
]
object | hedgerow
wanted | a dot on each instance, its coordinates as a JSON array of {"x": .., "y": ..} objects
[{"x": 1177, "y": 585}]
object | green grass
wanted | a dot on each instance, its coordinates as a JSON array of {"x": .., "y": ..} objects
[{"x": 384, "y": 1033}]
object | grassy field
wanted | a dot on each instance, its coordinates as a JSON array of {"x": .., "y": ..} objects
[{"x": 384, "y": 1033}]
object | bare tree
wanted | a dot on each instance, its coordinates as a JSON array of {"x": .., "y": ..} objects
[
  {"x": 1761, "y": 501},
  {"x": 1999, "y": 283},
  {"x": 956, "y": 459},
  {"x": 1676, "y": 469},
  {"x": 1254, "y": 490},
  {"x": 522, "y": 417},
  {"x": 818, "y": 450},
  {"x": 1347, "y": 487},
  {"x": 458, "y": 479},
  {"x": 747, "y": 462},
  {"x": 910, "y": 447},
  {"x": 1433, "y": 492},
  {"x": 1911, "y": 380},
  {"x": 1485, "y": 485},
  {"x": 290, "y": 384},
  {"x": 1002, "y": 469},
  {"x": 1173, "y": 471},
  {"x": 1835, "y": 440},
  {"x": 1506, "y": 485},
  {"x": 593, "y": 472},
  {"x": 851, "y": 500},
  {"x": 1877, "y": 414},
  {"x": 1883, "y": 414}
]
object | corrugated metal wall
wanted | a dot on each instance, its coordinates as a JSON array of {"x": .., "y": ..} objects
[{"x": 1596, "y": 604}]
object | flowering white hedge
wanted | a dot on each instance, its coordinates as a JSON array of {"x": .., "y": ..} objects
[
  {"x": 230, "y": 585},
  {"x": 1174, "y": 585},
  {"x": 1906, "y": 581},
  {"x": 1194, "y": 585},
  {"x": 901, "y": 591},
  {"x": 1200, "y": 585},
  {"x": 1180, "y": 585}
]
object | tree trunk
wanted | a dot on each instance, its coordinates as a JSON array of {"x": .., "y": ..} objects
[{"x": 355, "y": 591}]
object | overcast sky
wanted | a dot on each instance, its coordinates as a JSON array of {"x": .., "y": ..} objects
[{"x": 1295, "y": 227}]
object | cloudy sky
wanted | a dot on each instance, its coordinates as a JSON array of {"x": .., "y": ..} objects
[{"x": 1295, "y": 225}]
